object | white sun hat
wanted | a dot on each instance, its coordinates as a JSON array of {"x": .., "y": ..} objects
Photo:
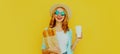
[{"x": 60, "y": 5}]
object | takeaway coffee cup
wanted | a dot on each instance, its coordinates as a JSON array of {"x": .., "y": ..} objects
[{"x": 78, "y": 31}]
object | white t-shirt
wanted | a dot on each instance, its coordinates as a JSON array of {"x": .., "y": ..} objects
[{"x": 62, "y": 40}]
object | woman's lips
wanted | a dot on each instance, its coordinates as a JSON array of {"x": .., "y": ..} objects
[{"x": 59, "y": 18}]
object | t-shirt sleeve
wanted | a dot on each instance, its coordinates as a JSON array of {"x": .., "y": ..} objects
[
  {"x": 43, "y": 44},
  {"x": 69, "y": 50},
  {"x": 43, "y": 41}
]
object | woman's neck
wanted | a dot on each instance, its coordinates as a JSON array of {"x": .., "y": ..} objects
[{"x": 58, "y": 26}]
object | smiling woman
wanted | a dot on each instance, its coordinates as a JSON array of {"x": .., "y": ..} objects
[{"x": 58, "y": 36}]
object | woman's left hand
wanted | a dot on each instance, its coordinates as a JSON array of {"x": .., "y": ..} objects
[{"x": 80, "y": 37}]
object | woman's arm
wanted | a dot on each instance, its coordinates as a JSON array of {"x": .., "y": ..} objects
[
  {"x": 76, "y": 42},
  {"x": 48, "y": 51},
  {"x": 45, "y": 51}
]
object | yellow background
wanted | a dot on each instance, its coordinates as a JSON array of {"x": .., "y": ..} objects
[{"x": 22, "y": 23}]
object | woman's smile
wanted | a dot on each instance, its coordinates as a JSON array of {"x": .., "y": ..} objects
[{"x": 59, "y": 17}]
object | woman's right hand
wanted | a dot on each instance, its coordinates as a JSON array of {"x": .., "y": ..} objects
[{"x": 54, "y": 50}]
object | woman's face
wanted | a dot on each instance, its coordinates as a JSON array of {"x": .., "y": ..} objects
[{"x": 59, "y": 15}]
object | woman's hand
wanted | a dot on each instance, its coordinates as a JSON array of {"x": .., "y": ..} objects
[
  {"x": 79, "y": 37},
  {"x": 54, "y": 50},
  {"x": 51, "y": 51}
]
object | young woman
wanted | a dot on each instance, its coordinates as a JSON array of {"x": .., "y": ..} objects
[{"x": 57, "y": 38}]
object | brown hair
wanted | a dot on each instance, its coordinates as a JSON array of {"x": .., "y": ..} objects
[{"x": 64, "y": 22}]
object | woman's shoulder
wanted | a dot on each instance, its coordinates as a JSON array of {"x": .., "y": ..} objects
[
  {"x": 70, "y": 30},
  {"x": 45, "y": 32},
  {"x": 70, "y": 33}
]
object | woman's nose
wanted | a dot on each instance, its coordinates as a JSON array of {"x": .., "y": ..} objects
[{"x": 59, "y": 14}]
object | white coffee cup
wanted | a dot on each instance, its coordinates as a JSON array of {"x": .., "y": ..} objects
[{"x": 78, "y": 30}]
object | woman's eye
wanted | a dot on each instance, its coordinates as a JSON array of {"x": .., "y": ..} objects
[
  {"x": 56, "y": 12},
  {"x": 62, "y": 13}
]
